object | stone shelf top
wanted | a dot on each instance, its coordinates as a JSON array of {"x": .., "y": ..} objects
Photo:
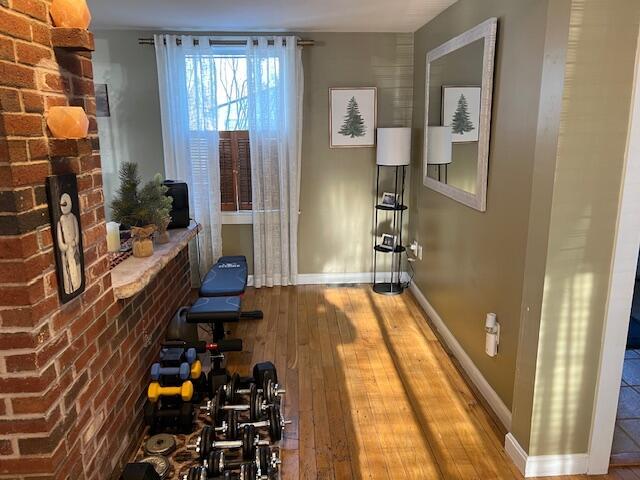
[{"x": 133, "y": 274}]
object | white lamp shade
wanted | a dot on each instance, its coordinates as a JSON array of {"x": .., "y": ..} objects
[
  {"x": 394, "y": 146},
  {"x": 439, "y": 145}
]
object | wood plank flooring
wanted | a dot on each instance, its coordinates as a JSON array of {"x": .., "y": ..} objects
[{"x": 371, "y": 392}]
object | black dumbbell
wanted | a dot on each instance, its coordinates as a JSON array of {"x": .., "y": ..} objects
[
  {"x": 266, "y": 462},
  {"x": 270, "y": 389},
  {"x": 161, "y": 417},
  {"x": 274, "y": 422},
  {"x": 247, "y": 472},
  {"x": 216, "y": 408},
  {"x": 248, "y": 443}
]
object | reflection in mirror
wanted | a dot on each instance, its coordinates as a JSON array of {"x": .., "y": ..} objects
[
  {"x": 454, "y": 102},
  {"x": 458, "y": 111}
]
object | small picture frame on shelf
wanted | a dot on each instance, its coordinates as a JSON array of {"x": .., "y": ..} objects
[
  {"x": 389, "y": 199},
  {"x": 388, "y": 241}
]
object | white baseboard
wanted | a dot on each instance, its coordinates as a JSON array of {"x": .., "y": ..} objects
[
  {"x": 544, "y": 465},
  {"x": 488, "y": 393}
]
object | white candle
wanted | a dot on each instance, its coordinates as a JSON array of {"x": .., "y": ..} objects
[{"x": 113, "y": 237}]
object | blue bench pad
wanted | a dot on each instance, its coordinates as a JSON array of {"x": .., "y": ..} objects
[
  {"x": 228, "y": 277},
  {"x": 214, "y": 309}
]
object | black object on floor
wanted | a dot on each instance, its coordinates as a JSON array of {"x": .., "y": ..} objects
[{"x": 139, "y": 471}]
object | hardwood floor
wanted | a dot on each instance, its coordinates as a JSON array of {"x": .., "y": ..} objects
[{"x": 371, "y": 392}]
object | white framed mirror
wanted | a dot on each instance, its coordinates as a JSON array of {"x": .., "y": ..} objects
[{"x": 457, "y": 118}]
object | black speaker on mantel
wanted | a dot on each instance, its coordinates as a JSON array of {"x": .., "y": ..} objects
[{"x": 180, "y": 207}]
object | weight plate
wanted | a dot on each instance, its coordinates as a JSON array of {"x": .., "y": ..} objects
[
  {"x": 161, "y": 444},
  {"x": 160, "y": 464},
  {"x": 249, "y": 442},
  {"x": 267, "y": 389},
  {"x": 263, "y": 459},
  {"x": 275, "y": 424},
  {"x": 232, "y": 387},
  {"x": 232, "y": 425},
  {"x": 255, "y": 403}
]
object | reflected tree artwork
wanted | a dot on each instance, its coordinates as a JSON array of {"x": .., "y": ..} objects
[
  {"x": 461, "y": 121},
  {"x": 461, "y": 111}
]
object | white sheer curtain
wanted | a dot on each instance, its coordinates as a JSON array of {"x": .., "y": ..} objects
[
  {"x": 187, "y": 82},
  {"x": 275, "y": 87}
]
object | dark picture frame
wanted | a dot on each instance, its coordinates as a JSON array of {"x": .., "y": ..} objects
[
  {"x": 102, "y": 100},
  {"x": 66, "y": 232}
]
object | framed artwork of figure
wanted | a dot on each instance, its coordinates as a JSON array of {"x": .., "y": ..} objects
[{"x": 66, "y": 231}]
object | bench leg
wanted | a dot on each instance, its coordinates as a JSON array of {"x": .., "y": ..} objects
[{"x": 252, "y": 314}]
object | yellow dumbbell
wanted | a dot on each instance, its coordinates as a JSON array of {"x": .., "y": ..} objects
[
  {"x": 196, "y": 370},
  {"x": 156, "y": 391}
]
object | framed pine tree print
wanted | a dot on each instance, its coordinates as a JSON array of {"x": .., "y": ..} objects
[
  {"x": 352, "y": 117},
  {"x": 461, "y": 111}
]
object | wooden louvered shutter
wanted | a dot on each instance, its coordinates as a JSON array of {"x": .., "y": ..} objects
[
  {"x": 227, "y": 173},
  {"x": 244, "y": 170}
]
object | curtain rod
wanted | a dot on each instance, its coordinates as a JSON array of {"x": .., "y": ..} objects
[{"x": 150, "y": 41}]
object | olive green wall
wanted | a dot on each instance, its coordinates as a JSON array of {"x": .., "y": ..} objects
[
  {"x": 473, "y": 262},
  {"x": 336, "y": 184},
  {"x": 590, "y": 161}
]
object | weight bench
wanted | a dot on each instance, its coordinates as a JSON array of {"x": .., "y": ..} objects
[{"x": 228, "y": 278}]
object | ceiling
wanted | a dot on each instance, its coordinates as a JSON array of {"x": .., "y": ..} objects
[{"x": 266, "y": 15}]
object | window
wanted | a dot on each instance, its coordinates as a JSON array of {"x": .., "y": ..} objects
[
  {"x": 227, "y": 67},
  {"x": 235, "y": 171}
]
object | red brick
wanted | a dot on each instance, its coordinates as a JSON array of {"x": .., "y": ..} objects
[
  {"x": 38, "y": 149},
  {"x": 87, "y": 69},
  {"x": 33, "y": 384},
  {"x": 31, "y": 425},
  {"x": 13, "y": 75},
  {"x": 32, "y": 102},
  {"x": 56, "y": 101},
  {"x": 22, "y": 125},
  {"x": 82, "y": 86},
  {"x": 43, "y": 403},
  {"x": 33, "y": 8},
  {"x": 9, "y": 100},
  {"x": 41, "y": 34},
  {"x": 16, "y": 150},
  {"x": 5, "y": 447},
  {"x": 21, "y": 363},
  {"x": 11, "y": 341},
  {"x": 29, "y": 174},
  {"x": 13, "y": 296},
  {"x": 72, "y": 38},
  {"x": 14, "y": 25},
  {"x": 54, "y": 82},
  {"x": 70, "y": 62},
  {"x": 32, "y": 54},
  {"x": 18, "y": 247},
  {"x": 7, "y": 51}
]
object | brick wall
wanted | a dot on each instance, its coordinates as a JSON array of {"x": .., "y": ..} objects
[{"x": 72, "y": 376}]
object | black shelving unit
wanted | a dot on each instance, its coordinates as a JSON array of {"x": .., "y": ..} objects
[{"x": 394, "y": 286}]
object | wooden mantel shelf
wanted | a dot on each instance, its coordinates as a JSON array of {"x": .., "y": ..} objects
[{"x": 134, "y": 274}]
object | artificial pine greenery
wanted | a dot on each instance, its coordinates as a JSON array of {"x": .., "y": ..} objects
[
  {"x": 155, "y": 206},
  {"x": 126, "y": 203},
  {"x": 138, "y": 207}
]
